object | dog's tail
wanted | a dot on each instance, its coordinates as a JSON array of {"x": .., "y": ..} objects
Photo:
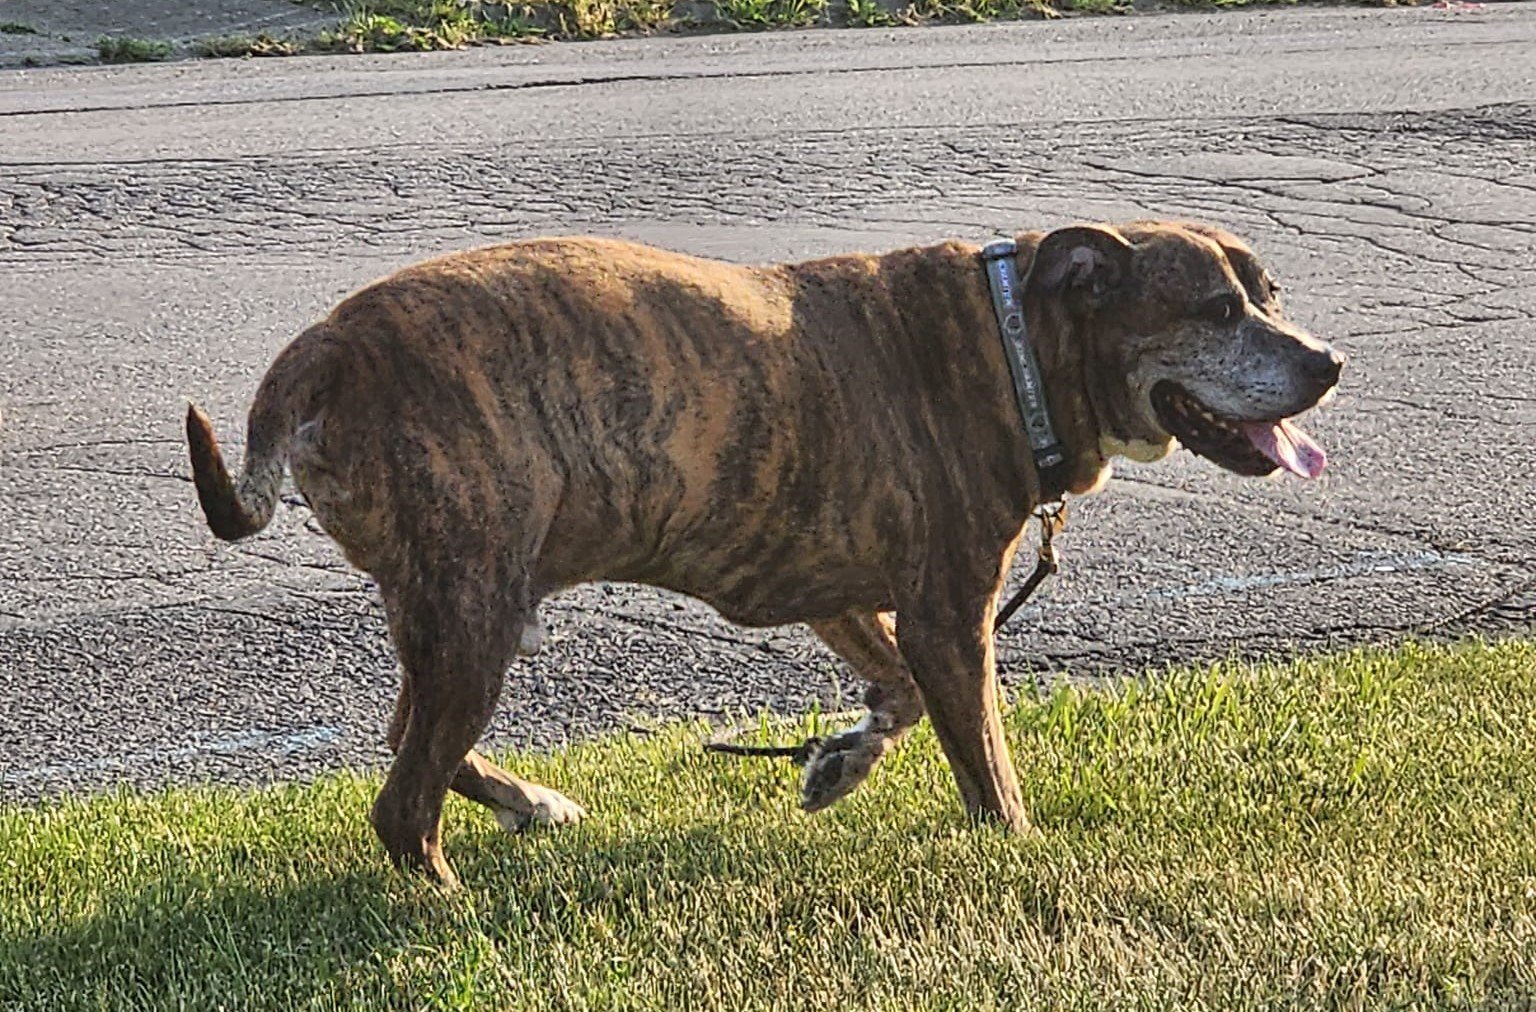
[{"x": 286, "y": 399}]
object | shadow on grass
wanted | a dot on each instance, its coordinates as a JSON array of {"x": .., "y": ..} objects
[
  {"x": 227, "y": 937},
  {"x": 208, "y": 943},
  {"x": 730, "y": 880}
]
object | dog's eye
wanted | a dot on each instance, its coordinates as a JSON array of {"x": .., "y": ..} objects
[{"x": 1222, "y": 309}]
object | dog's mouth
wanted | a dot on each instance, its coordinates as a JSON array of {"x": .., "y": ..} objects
[{"x": 1252, "y": 448}]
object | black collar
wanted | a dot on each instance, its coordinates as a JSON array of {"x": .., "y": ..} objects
[{"x": 1023, "y": 365}]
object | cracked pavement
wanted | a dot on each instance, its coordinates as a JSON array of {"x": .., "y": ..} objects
[{"x": 165, "y": 230}]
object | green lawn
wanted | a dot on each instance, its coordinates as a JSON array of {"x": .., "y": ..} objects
[{"x": 1349, "y": 832}]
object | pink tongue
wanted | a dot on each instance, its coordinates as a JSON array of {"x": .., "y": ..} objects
[{"x": 1287, "y": 446}]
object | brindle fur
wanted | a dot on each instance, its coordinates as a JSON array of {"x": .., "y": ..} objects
[{"x": 825, "y": 442}]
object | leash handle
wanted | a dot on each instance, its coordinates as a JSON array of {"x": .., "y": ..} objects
[{"x": 798, "y": 754}]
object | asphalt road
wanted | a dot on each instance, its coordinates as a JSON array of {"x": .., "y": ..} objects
[{"x": 165, "y": 229}]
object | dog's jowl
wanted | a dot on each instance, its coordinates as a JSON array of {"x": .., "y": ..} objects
[{"x": 837, "y": 442}]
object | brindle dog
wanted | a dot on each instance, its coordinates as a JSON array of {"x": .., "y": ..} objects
[{"x": 826, "y": 442}]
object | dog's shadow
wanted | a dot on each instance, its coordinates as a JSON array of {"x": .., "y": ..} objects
[
  {"x": 747, "y": 879},
  {"x": 213, "y": 943}
]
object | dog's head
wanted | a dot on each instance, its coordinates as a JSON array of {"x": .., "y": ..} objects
[{"x": 1179, "y": 335}]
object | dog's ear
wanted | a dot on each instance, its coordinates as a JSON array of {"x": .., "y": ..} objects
[{"x": 1081, "y": 259}]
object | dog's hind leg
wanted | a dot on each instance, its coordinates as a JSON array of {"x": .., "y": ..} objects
[
  {"x": 454, "y": 640},
  {"x": 866, "y": 642},
  {"x": 517, "y": 804}
]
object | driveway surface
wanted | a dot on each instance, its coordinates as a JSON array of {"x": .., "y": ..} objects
[{"x": 164, "y": 230}]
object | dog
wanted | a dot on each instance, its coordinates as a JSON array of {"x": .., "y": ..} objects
[{"x": 834, "y": 442}]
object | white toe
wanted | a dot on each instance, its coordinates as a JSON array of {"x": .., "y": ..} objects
[{"x": 550, "y": 808}]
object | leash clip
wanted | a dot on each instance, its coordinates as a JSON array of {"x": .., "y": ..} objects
[{"x": 1053, "y": 517}]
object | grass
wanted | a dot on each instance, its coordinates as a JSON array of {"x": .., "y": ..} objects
[
  {"x": 757, "y": 14},
  {"x": 125, "y": 49},
  {"x": 16, "y": 28},
  {"x": 1341, "y": 833},
  {"x": 247, "y": 45},
  {"x": 418, "y": 25}
]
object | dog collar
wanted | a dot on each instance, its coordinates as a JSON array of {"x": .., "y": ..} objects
[{"x": 1023, "y": 365}]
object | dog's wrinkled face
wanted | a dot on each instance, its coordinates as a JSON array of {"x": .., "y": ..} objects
[{"x": 1191, "y": 345}]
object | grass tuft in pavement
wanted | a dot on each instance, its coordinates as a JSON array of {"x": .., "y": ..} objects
[
  {"x": 125, "y": 49},
  {"x": 1347, "y": 832},
  {"x": 247, "y": 45}
]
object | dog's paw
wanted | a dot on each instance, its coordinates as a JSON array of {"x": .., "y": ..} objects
[
  {"x": 838, "y": 766},
  {"x": 549, "y": 808}
]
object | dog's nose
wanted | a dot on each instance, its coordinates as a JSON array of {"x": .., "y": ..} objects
[{"x": 1323, "y": 367}]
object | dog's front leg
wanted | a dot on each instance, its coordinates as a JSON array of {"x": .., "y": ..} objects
[
  {"x": 866, "y": 641},
  {"x": 951, "y": 658}
]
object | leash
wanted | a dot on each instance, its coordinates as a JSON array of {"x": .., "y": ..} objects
[{"x": 1052, "y": 517}]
